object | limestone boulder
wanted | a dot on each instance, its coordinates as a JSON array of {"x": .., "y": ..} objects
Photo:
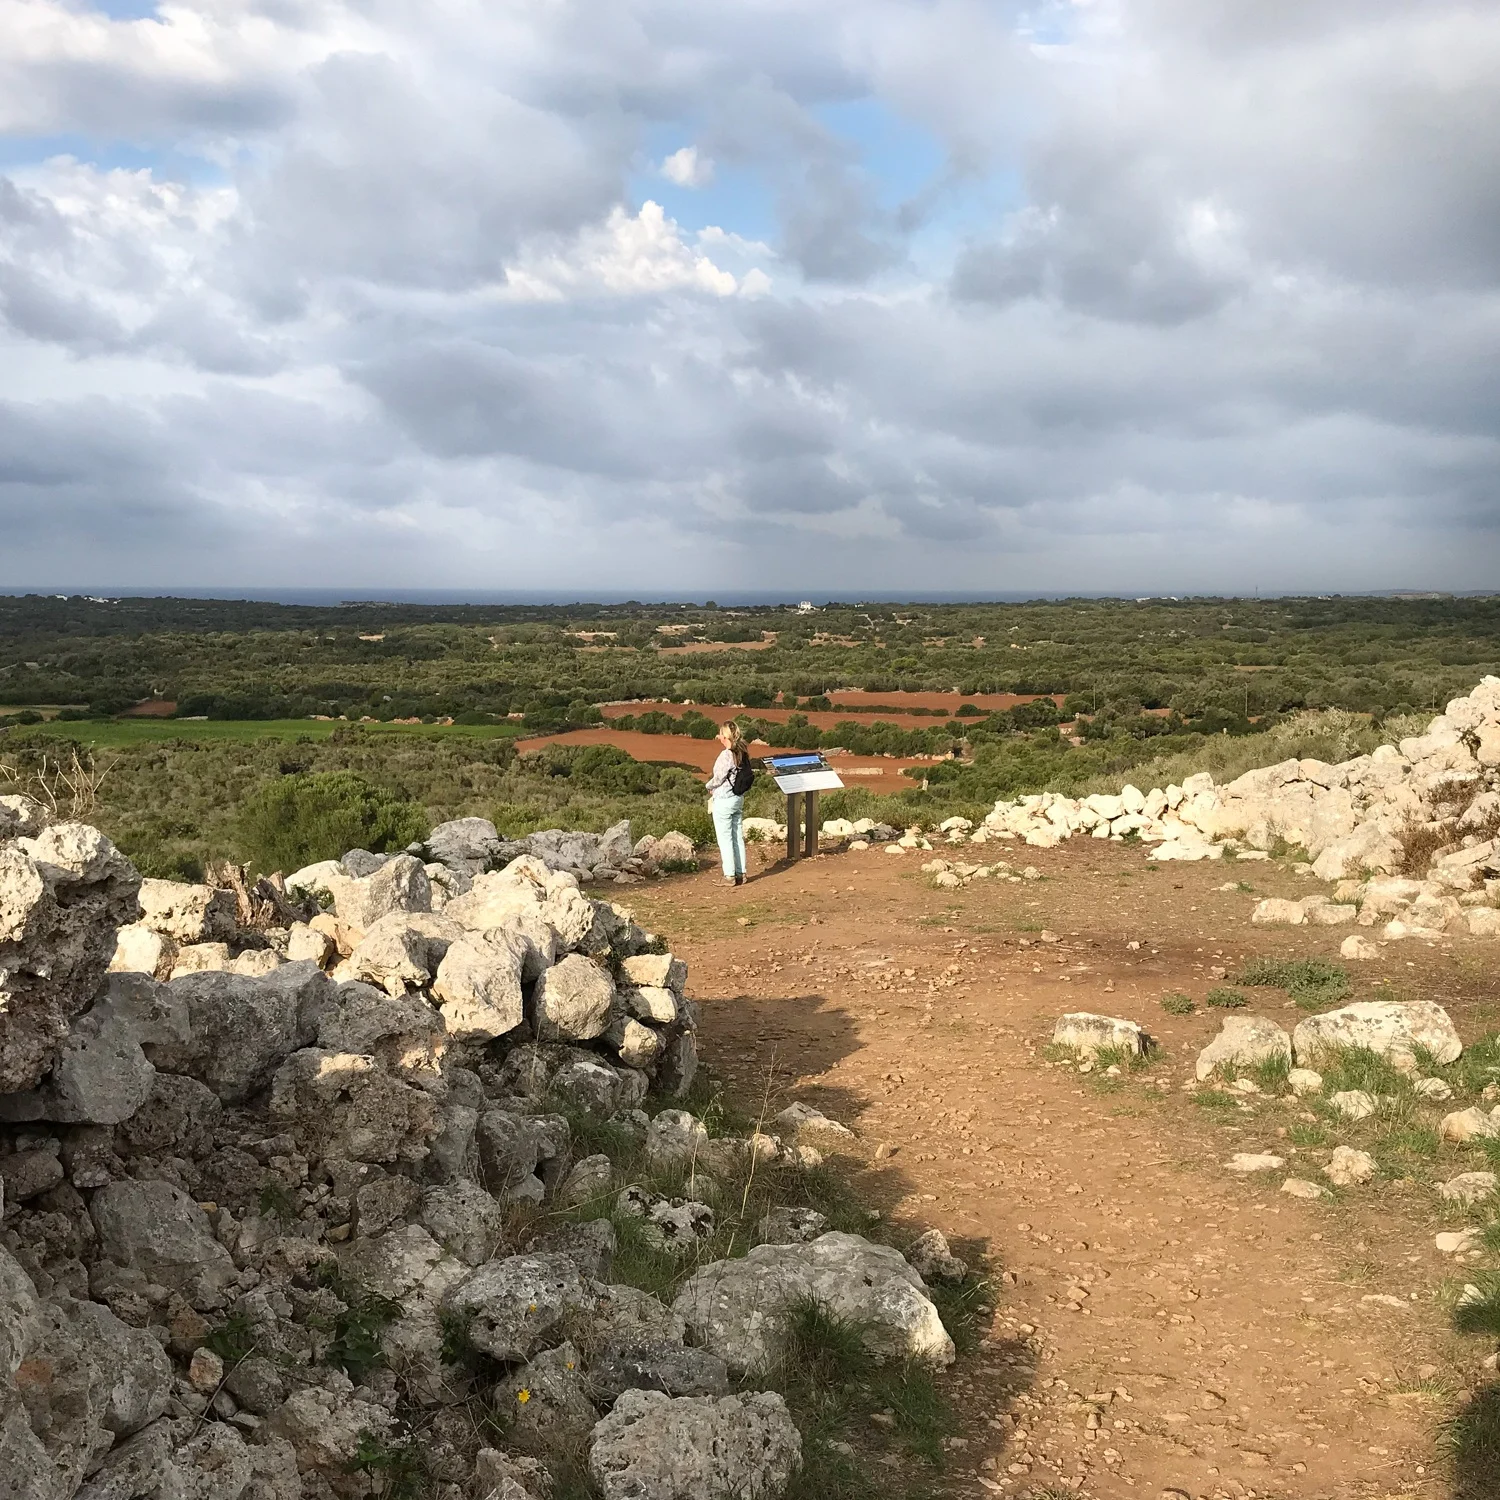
[
  {"x": 478, "y": 986},
  {"x": 402, "y": 950},
  {"x": 140, "y": 950},
  {"x": 1349, "y": 1168},
  {"x": 400, "y": 883},
  {"x": 1392, "y": 1028},
  {"x": 468, "y": 845},
  {"x": 1087, "y": 1034},
  {"x": 63, "y": 896},
  {"x": 1469, "y": 1187},
  {"x": 737, "y": 1309},
  {"x": 657, "y": 1447},
  {"x": 574, "y": 1000},
  {"x": 188, "y": 913},
  {"x": 1243, "y": 1040}
]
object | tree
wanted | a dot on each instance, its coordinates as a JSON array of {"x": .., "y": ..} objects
[{"x": 297, "y": 820}]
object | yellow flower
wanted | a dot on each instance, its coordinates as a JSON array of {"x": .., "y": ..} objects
[{"x": 523, "y": 1396}]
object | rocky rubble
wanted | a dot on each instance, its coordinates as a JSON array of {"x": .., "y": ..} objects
[
  {"x": 260, "y": 1220},
  {"x": 1355, "y": 820}
]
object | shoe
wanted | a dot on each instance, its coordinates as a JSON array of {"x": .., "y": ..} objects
[{"x": 739, "y": 880}]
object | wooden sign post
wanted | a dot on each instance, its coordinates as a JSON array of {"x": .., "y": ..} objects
[{"x": 802, "y": 777}]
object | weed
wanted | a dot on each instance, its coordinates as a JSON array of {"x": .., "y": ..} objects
[
  {"x": 276, "y": 1201},
  {"x": 677, "y": 867},
  {"x": 1120, "y": 1057},
  {"x": 1223, "y": 998},
  {"x": 1307, "y": 1136},
  {"x": 1477, "y": 1065},
  {"x": 1346, "y": 1068},
  {"x": 1478, "y": 1307},
  {"x": 1472, "y": 1440},
  {"x": 233, "y": 1340},
  {"x": 355, "y": 1347},
  {"x": 1311, "y": 982},
  {"x": 1214, "y": 1099},
  {"x": 1177, "y": 1004},
  {"x": 398, "y": 1468},
  {"x": 1269, "y": 1072}
]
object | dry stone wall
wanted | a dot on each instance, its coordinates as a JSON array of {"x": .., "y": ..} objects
[
  {"x": 1355, "y": 820},
  {"x": 259, "y": 1188}
]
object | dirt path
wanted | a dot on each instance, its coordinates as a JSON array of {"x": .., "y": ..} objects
[{"x": 1164, "y": 1327}]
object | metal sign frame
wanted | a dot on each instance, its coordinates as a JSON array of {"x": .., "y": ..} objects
[{"x": 802, "y": 777}]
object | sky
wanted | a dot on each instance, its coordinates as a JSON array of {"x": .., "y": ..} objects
[{"x": 837, "y": 296}]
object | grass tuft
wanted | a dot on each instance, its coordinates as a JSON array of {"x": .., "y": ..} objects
[
  {"x": 1479, "y": 1311},
  {"x": 1472, "y": 1440},
  {"x": 1177, "y": 1004}
]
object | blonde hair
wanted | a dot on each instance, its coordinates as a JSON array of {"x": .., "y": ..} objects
[{"x": 732, "y": 737}]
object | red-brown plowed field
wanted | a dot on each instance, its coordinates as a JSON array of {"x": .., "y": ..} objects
[{"x": 879, "y": 773}]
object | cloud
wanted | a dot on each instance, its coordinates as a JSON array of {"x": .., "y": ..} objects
[
  {"x": 687, "y": 169},
  {"x": 1131, "y": 294}
]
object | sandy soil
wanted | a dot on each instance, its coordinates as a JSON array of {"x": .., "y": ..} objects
[{"x": 1226, "y": 1330}]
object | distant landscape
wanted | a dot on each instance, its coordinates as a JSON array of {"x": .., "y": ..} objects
[{"x": 547, "y": 715}]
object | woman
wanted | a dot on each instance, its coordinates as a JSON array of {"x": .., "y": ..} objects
[{"x": 727, "y": 805}]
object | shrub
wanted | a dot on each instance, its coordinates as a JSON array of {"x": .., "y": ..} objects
[
  {"x": 298, "y": 820},
  {"x": 1177, "y": 1005}
]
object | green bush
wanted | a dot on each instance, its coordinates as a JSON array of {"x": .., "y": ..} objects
[
  {"x": 1177, "y": 1005},
  {"x": 297, "y": 820}
]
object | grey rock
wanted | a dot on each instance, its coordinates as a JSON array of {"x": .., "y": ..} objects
[
  {"x": 790, "y": 1226},
  {"x": 670, "y": 1368},
  {"x": 678, "y": 1066},
  {"x": 400, "y": 883},
  {"x": 636, "y": 1045},
  {"x": 511, "y": 1307},
  {"x": 402, "y": 950},
  {"x": 573, "y": 1000},
  {"x": 658, "y": 1447},
  {"x": 588, "y": 1181},
  {"x": 256, "y": 1384},
  {"x": 160, "y": 1231},
  {"x": 242, "y": 1029},
  {"x": 467, "y": 844},
  {"x": 178, "y": 1118},
  {"x": 651, "y": 1003},
  {"x": 737, "y": 1308},
  {"x": 464, "y": 1219},
  {"x": 386, "y": 1201},
  {"x": 21, "y": 817},
  {"x": 675, "y": 1136},
  {"x": 63, "y": 895},
  {"x": 591, "y": 1085},
  {"x": 656, "y": 971},
  {"x": 590, "y": 1245},
  {"x": 20, "y": 1315},
  {"x": 133, "y": 1468},
  {"x": 401, "y": 1031},
  {"x": 675, "y": 1226},
  {"x": 629, "y": 1317},
  {"x": 929, "y": 1256},
  {"x": 547, "y": 1400},
  {"x": 28, "y": 1174},
  {"x": 1087, "y": 1034},
  {"x": 325, "y": 1427}
]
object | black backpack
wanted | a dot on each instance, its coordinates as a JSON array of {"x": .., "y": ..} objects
[{"x": 743, "y": 777}]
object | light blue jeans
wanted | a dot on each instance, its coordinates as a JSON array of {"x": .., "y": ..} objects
[{"x": 729, "y": 813}]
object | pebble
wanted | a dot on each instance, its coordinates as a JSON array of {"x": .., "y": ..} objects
[
  {"x": 206, "y": 1370},
  {"x": 1253, "y": 1161},
  {"x": 1300, "y": 1187},
  {"x": 1459, "y": 1242}
]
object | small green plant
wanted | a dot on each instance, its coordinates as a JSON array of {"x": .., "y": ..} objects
[
  {"x": 1215, "y": 1099},
  {"x": 276, "y": 1201},
  {"x": 1307, "y": 1136},
  {"x": 1221, "y": 997},
  {"x": 355, "y": 1347},
  {"x": 1270, "y": 1073},
  {"x": 233, "y": 1340},
  {"x": 1311, "y": 982},
  {"x": 1177, "y": 1004},
  {"x": 678, "y": 867},
  {"x": 398, "y": 1467}
]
